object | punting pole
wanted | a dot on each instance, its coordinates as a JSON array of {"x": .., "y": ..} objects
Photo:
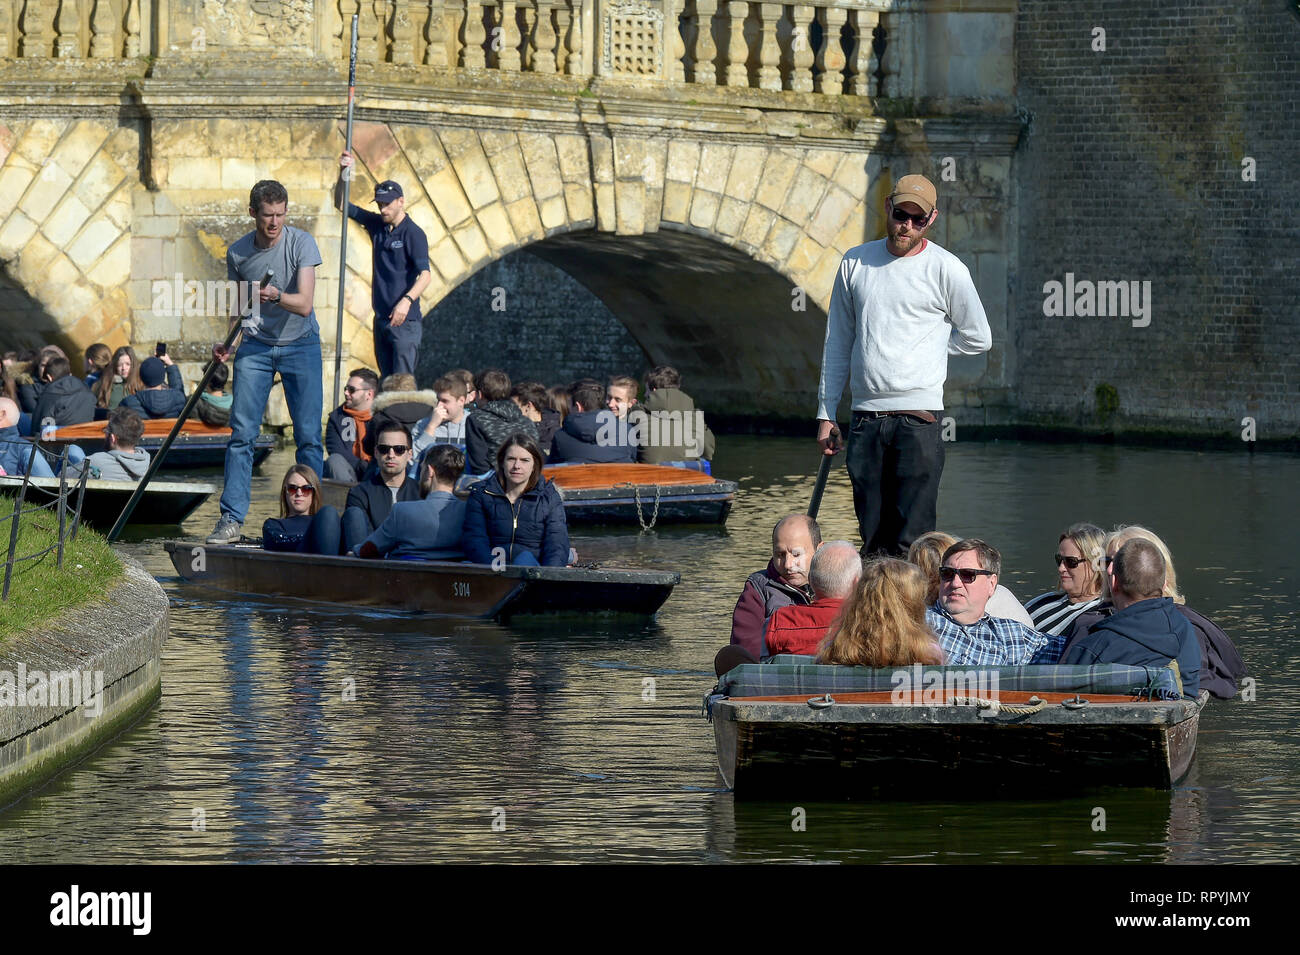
[
  {"x": 195, "y": 395},
  {"x": 343, "y": 234},
  {"x": 823, "y": 472}
]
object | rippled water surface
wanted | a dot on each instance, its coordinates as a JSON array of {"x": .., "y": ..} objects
[{"x": 576, "y": 739}]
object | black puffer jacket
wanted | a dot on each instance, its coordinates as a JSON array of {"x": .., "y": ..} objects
[{"x": 487, "y": 428}]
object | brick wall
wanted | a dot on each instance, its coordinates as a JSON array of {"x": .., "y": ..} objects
[{"x": 1131, "y": 169}]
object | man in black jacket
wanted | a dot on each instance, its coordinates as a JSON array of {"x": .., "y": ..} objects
[
  {"x": 64, "y": 400},
  {"x": 591, "y": 434},
  {"x": 163, "y": 395},
  {"x": 370, "y": 501},
  {"x": 345, "y": 428},
  {"x": 495, "y": 418}
]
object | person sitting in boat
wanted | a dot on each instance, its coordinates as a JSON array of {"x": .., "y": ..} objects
[
  {"x": 833, "y": 571},
  {"x": 402, "y": 399},
  {"x": 121, "y": 460},
  {"x": 674, "y": 432},
  {"x": 430, "y": 529},
  {"x": 304, "y": 526},
  {"x": 345, "y": 428},
  {"x": 121, "y": 379},
  {"x": 370, "y": 501},
  {"x": 1221, "y": 665},
  {"x": 214, "y": 404},
  {"x": 495, "y": 419},
  {"x": 968, "y": 635},
  {"x": 535, "y": 403},
  {"x": 163, "y": 394},
  {"x": 591, "y": 434},
  {"x": 16, "y": 450},
  {"x": 446, "y": 423},
  {"x": 98, "y": 358},
  {"x": 795, "y": 539},
  {"x": 64, "y": 399},
  {"x": 926, "y": 552},
  {"x": 1079, "y": 552},
  {"x": 1146, "y": 628},
  {"x": 883, "y": 623},
  {"x": 516, "y": 514}
]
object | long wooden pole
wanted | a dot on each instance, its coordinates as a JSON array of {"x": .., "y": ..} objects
[
  {"x": 343, "y": 234},
  {"x": 823, "y": 472}
]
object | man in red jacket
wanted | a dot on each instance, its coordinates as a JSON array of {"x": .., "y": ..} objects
[
  {"x": 785, "y": 581},
  {"x": 835, "y": 568}
]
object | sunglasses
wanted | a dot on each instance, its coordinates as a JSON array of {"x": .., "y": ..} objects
[
  {"x": 967, "y": 574},
  {"x": 349, "y": 390},
  {"x": 296, "y": 489},
  {"x": 392, "y": 448},
  {"x": 918, "y": 221},
  {"x": 1071, "y": 562}
]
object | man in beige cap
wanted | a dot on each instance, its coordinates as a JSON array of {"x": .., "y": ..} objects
[{"x": 900, "y": 306}]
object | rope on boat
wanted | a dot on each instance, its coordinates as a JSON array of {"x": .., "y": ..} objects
[{"x": 1012, "y": 709}]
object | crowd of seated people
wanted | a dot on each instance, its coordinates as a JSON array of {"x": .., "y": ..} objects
[{"x": 1119, "y": 603}]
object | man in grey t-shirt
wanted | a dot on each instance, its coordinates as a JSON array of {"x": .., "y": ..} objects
[{"x": 280, "y": 335}]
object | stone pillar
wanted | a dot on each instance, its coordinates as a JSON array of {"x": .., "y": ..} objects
[
  {"x": 508, "y": 55},
  {"x": 830, "y": 58},
  {"x": 769, "y": 50},
  {"x": 368, "y": 28},
  {"x": 33, "y": 29},
  {"x": 435, "y": 49},
  {"x": 737, "y": 49},
  {"x": 543, "y": 40},
  {"x": 573, "y": 39},
  {"x": 68, "y": 25},
  {"x": 674, "y": 45},
  {"x": 862, "y": 55},
  {"x": 706, "y": 51},
  {"x": 133, "y": 29},
  {"x": 401, "y": 45},
  {"x": 102, "y": 29},
  {"x": 801, "y": 75},
  {"x": 472, "y": 57},
  {"x": 529, "y": 15}
]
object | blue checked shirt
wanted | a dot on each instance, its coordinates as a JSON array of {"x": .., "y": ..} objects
[{"x": 992, "y": 641}]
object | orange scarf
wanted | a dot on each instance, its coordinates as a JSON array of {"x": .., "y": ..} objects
[{"x": 360, "y": 417}]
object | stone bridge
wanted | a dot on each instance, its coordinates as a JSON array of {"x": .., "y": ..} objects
[{"x": 699, "y": 166}]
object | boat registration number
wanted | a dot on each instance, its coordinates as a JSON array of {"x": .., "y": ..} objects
[{"x": 460, "y": 588}]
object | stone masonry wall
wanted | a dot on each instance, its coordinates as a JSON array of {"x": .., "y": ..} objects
[{"x": 1132, "y": 169}]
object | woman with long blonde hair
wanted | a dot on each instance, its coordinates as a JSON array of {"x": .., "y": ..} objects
[{"x": 882, "y": 623}]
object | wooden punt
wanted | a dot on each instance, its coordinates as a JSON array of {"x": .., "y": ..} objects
[
  {"x": 867, "y": 744},
  {"x": 436, "y": 587},
  {"x": 197, "y": 446},
  {"x": 163, "y": 502},
  {"x": 644, "y": 494}
]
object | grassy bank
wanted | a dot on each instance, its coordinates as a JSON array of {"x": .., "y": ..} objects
[{"x": 38, "y": 591}]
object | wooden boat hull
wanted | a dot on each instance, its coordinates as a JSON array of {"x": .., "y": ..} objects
[
  {"x": 163, "y": 502},
  {"x": 198, "y": 446},
  {"x": 637, "y": 494},
  {"x": 437, "y": 587},
  {"x": 782, "y": 747}
]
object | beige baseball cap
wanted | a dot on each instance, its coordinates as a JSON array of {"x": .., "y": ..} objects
[{"x": 916, "y": 189}]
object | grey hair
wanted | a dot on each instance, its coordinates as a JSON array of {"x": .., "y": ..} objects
[{"x": 835, "y": 568}]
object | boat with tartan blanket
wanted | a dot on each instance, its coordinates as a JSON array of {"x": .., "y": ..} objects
[{"x": 791, "y": 727}]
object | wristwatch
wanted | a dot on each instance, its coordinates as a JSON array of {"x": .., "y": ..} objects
[
  {"x": 276, "y": 300},
  {"x": 409, "y": 299}
]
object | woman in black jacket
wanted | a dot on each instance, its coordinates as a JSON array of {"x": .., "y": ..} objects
[
  {"x": 516, "y": 515},
  {"x": 303, "y": 525}
]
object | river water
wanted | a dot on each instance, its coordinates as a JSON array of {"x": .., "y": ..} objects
[{"x": 582, "y": 740}]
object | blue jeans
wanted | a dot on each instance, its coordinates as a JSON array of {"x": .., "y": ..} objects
[{"x": 299, "y": 365}]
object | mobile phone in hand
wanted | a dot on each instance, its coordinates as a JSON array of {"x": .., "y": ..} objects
[{"x": 161, "y": 349}]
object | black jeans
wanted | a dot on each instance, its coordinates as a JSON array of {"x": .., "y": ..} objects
[{"x": 895, "y": 464}]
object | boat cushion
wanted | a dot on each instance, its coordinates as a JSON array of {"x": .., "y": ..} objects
[{"x": 780, "y": 678}]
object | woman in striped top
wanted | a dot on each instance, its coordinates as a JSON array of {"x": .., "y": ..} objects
[{"x": 1079, "y": 557}]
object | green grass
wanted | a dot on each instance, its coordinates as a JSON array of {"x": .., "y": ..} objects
[{"x": 39, "y": 592}]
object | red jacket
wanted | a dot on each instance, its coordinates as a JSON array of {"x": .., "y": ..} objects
[{"x": 796, "y": 629}]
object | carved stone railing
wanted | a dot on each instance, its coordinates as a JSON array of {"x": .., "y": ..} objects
[{"x": 833, "y": 47}]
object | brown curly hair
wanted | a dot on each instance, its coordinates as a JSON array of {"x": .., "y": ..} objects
[{"x": 882, "y": 622}]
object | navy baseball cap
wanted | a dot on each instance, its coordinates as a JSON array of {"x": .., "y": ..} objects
[{"x": 387, "y": 191}]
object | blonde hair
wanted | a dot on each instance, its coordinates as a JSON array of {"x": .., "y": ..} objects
[
  {"x": 1128, "y": 532},
  {"x": 1091, "y": 541},
  {"x": 926, "y": 552},
  {"x": 882, "y": 621}
]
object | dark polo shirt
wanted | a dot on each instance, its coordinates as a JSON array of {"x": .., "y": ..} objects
[{"x": 400, "y": 254}]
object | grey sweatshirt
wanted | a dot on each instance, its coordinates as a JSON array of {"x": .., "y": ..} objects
[{"x": 115, "y": 465}]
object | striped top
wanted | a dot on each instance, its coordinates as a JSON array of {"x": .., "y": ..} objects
[{"x": 1053, "y": 613}]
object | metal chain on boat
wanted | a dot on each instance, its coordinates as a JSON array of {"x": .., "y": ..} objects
[
  {"x": 822, "y": 702},
  {"x": 1014, "y": 709},
  {"x": 636, "y": 495}
]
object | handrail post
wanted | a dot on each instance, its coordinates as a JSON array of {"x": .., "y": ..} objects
[{"x": 63, "y": 503}]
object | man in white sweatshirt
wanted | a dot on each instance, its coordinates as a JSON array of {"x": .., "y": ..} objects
[{"x": 900, "y": 306}]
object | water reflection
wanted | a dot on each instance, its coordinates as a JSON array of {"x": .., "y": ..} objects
[{"x": 582, "y": 737}]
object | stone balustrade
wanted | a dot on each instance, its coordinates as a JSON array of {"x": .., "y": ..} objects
[{"x": 832, "y": 47}]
